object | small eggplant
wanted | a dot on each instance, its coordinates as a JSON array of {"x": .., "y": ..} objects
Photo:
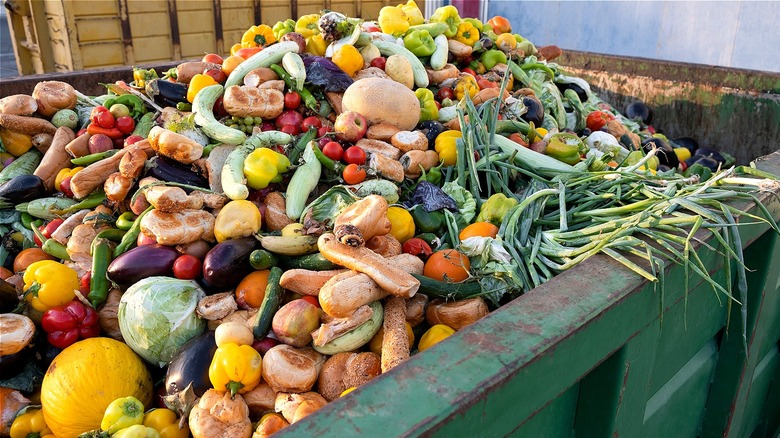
[
  {"x": 190, "y": 365},
  {"x": 228, "y": 263},
  {"x": 9, "y": 297},
  {"x": 534, "y": 110},
  {"x": 141, "y": 262},
  {"x": 166, "y": 169},
  {"x": 21, "y": 188},
  {"x": 581, "y": 93},
  {"x": 166, "y": 93},
  {"x": 686, "y": 142},
  {"x": 665, "y": 154},
  {"x": 431, "y": 129},
  {"x": 711, "y": 153},
  {"x": 639, "y": 111}
]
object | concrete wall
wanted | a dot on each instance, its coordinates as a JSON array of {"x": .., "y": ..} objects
[{"x": 740, "y": 34}]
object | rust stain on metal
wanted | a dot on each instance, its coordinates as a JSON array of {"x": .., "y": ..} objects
[
  {"x": 173, "y": 19},
  {"x": 218, "y": 33},
  {"x": 293, "y": 8},
  {"x": 127, "y": 35},
  {"x": 258, "y": 10}
]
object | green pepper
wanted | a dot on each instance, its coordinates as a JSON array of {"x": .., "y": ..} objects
[
  {"x": 492, "y": 57},
  {"x": 474, "y": 22},
  {"x": 131, "y": 101},
  {"x": 125, "y": 220},
  {"x": 282, "y": 28},
  {"x": 420, "y": 42},
  {"x": 433, "y": 175},
  {"x": 704, "y": 172},
  {"x": 565, "y": 147},
  {"x": 427, "y": 221},
  {"x": 448, "y": 15},
  {"x": 495, "y": 208},
  {"x": 428, "y": 109},
  {"x": 145, "y": 124}
]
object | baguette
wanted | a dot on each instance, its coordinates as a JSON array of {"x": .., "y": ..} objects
[
  {"x": 395, "y": 342},
  {"x": 173, "y": 145},
  {"x": 56, "y": 158},
  {"x": 306, "y": 282},
  {"x": 379, "y": 147},
  {"x": 26, "y": 124},
  {"x": 79, "y": 147}
]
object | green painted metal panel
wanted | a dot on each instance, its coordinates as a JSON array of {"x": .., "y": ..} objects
[{"x": 555, "y": 420}]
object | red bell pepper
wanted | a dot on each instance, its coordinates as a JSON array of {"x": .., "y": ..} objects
[
  {"x": 417, "y": 247},
  {"x": 69, "y": 323},
  {"x": 112, "y": 133}
]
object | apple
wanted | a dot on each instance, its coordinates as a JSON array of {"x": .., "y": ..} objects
[
  {"x": 350, "y": 126},
  {"x": 100, "y": 143}
]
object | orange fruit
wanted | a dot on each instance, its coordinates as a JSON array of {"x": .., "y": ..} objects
[
  {"x": 252, "y": 288},
  {"x": 447, "y": 265},
  {"x": 27, "y": 257},
  {"x": 230, "y": 63},
  {"x": 479, "y": 229}
]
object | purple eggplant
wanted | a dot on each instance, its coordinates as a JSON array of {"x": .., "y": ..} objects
[
  {"x": 141, "y": 262},
  {"x": 190, "y": 365},
  {"x": 228, "y": 263}
]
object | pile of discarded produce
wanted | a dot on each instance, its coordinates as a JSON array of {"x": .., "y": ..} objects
[{"x": 223, "y": 248}]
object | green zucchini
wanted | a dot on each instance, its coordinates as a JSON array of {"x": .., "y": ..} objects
[
  {"x": 440, "y": 289},
  {"x": 439, "y": 57},
  {"x": 264, "y": 58},
  {"x": 262, "y": 259},
  {"x": 312, "y": 262},
  {"x": 23, "y": 165},
  {"x": 271, "y": 303},
  {"x": 302, "y": 183},
  {"x": 387, "y": 48},
  {"x": 203, "y": 107}
]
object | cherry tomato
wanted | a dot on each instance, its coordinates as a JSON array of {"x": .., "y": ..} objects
[
  {"x": 289, "y": 129},
  {"x": 333, "y": 150},
  {"x": 417, "y": 247},
  {"x": 213, "y": 58},
  {"x": 353, "y": 174},
  {"x": 355, "y": 155},
  {"x": 322, "y": 131},
  {"x": 84, "y": 283},
  {"x": 102, "y": 117},
  {"x": 597, "y": 119},
  {"x": 125, "y": 124},
  {"x": 312, "y": 300},
  {"x": 292, "y": 100},
  {"x": 445, "y": 93},
  {"x": 187, "y": 267},
  {"x": 310, "y": 121},
  {"x": 378, "y": 62},
  {"x": 132, "y": 139}
]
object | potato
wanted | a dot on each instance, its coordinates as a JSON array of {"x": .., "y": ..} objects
[{"x": 400, "y": 70}]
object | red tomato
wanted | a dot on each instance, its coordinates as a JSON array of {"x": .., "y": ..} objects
[
  {"x": 292, "y": 100},
  {"x": 333, "y": 150},
  {"x": 470, "y": 71},
  {"x": 311, "y": 121},
  {"x": 417, "y": 247},
  {"x": 598, "y": 119},
  {"x": 353, "y": 174},
  {"x": 84, "y": 283},
  {"x": 187, "y": 267},
  {"x": 65, "y": 187},
  {"x": 445, "y": 93},
  {"x": 312, "y": 300},
  {"x": 125, "y": 124},
  {"x": 323, "y": 131},
  {"x": 213, "y": 58},
  {"x": 102, "y": 117},
  {"x": 247, "y": 52},
  {"x": 355, "y": 155},
  {"x": 378, "y": 62},
  {"x": 132, "y": 139},
  {"x": 289, "y": 129}
]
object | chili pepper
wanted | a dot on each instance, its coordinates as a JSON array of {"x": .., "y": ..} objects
[
  {"x": 69, "y": 323},
  {"x": 86, "y": 160},
  {"x": 137, "y": 431},
  {"x": 434, "y": 335},
  {"x": 121, "y": 414},
  {"x": 427, "y": 221},
  {"x": 316, "y": 45},
  {"x": 101, "y": 258},
  {"x": 467, "y": 33},
  {"x": 166, "y": 423},
  {"x": 492, "y": 57},
  {"x": 49, "y": 284},
  {"x": 402, "y": 223},
  {"x": 392, "y": 20},
  {"x": 446, "y": 147},
  {"x": 112, "y": 133},
  {"x": 300, "y": 145},
  {"x": 235, "y": 368},
  {"x": 131, "y": 236},
  {"x": 495, "y": 208},
  {"x": 428, "y": 108},
  {"x": 131, "y": 101},
  {"x": 258, "y": 36},
  {"x": 413, "y": 13},
  {"x": 91, "y": 201},
  {"x": 448, "y": 15},
  {"x": 565, "y": 147},
  {"x": 433, "y": 175},
  {"x": 349, "y": 59},
  {"x": 264, "y": 166},
  {"x": 125, "y": 220},
  {"x": 30, "y": 424},
  {"x": 197, "y": 83},
  {"x": 15, "y": 143},
  {"x": 474, "y": 22},
  {"x": 500, "y": 24},
  {"x": 50, "y": 246},
  {"x": 420, "y": 42},
  {"x": 417, "y": 247},
  {"x": 282, "y": 28},
  {"x": 307, "y": 26},
  {"x": 465, "y": 84}
]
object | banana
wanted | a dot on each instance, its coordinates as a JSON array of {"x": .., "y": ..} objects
[
  {"x": 357, "y": 337},
  {"x": 289, "y": 245}
]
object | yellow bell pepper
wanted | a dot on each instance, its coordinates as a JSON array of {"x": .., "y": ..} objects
[
  {"x": 258, "y": 36},
  {"x": 264, "y": 166},
  {"x": 14, "y": 142},
  {"x": 402, "y": 223},
  {"x": 466, "y": 84},
  {"x": 65, "y": 173},
  {"x": 434, "y": 335},
  {"x": 235, "y": 48},
  {"x": 316, "y": 45},
  {"x": 446, "y": 148},
  {"x": 349, "y": 59},
  {"x": 413, "y": 13},
  {"x": 49, "y": 284},
  {"x": 197, "y": 83},
  {"x": 166, "y": 423},
  {"x": 467, "y": 33},
  {"x": 121, "y": 414},
  {"x": 392, "y": 20},
  {"x": 307, "y": 25},
  {"x": 137, "y": 431},
  {"x": 235, "y": 368},
  {"x": 30, "y": 424},
  {"x": 239, "y": 218},
  {"x": 448, "y": 15}
]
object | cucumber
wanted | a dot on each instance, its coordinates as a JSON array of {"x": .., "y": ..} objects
[
  {"x": 358, "y": 336},
  {"x": 387, "y": 49},
  {"x": 293, "y": 64},
  {"x": 203, "y": 107},
  {"x": 271, "y": 303},
  {"x": 264, "y": 58},
  {"x": 262, "y": 259},
  {"x": 439, "y": 56},
  {"x": 312, "y": 262},
  {"x": 302, "y": 183},
  {"x": 440, "y": 289},
  {"x": 25, "y": 164}
]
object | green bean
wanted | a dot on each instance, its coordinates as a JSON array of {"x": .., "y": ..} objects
[{"x": 86, "y": 160}]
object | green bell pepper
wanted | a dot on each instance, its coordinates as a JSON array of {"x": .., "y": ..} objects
[
  {"x": 495, "y": 208},
  {"x": 704, "y": 172},
  {"x": 474, "y": 22},
  {"x": 433, "y": 175},
  {"x": 131, "y": 101},
  {"x": 282, "y": 28},
  {"x": 420, "y": 42},
  {"x": 428, "y": 109},
  {"x": 428, "y": 221},
  {"x": 448, "y": 15},
  {"x": 492, "y": 57},
  {"x": 565, "y": 147}
]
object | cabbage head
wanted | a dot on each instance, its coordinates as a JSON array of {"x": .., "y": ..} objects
[{"x": 157, "y": 316}]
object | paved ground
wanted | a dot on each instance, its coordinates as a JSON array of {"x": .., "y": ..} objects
[{"x": 7, "y": 60}]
